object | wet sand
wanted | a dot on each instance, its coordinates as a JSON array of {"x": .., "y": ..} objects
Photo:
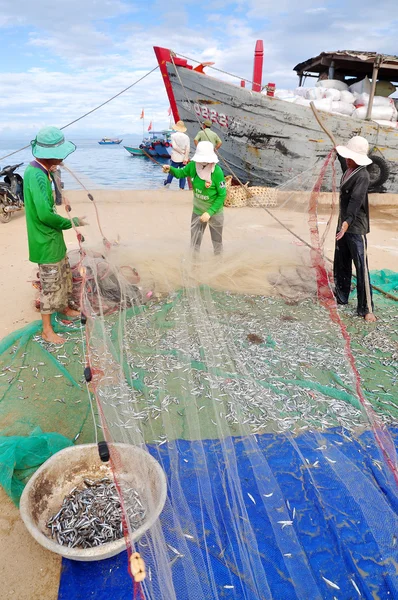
[{"x": 27, "y": 571}]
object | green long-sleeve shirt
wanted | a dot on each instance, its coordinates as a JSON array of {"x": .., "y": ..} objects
[
  {"x": 210, "y": 200},
  {"x": 45, "y": 238}
]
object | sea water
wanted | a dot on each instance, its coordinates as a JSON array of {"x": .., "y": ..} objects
[{"x": 98, "y": 166}]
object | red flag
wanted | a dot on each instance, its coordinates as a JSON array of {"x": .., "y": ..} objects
[
  {"x": 150, "y": 126},
  {"x": 169, "y": 111},
  {"x": 142, "y": 114}
]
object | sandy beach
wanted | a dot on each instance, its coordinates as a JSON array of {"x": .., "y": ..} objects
[{"x": 146, "y": 220}]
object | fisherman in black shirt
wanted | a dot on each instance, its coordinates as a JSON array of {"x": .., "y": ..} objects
[{"x": 353, "y": 225}]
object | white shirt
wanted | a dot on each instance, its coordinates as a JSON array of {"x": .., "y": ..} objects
[{"x": 181, "y": 146}]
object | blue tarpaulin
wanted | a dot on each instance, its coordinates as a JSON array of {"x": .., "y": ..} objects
[{"x": 333, "y": 500}]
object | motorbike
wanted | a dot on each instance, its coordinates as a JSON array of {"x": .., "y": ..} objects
[{"x": 11, "y": 192}]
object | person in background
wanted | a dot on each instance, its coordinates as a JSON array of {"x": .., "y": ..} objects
[
  {"x": 45, "y": 238},
  {"x": 207, "y": 135},
  {"x": 209, "y": 193},
  {"x": 353, "y": 226},
  {"x": 180, "y": 154}
]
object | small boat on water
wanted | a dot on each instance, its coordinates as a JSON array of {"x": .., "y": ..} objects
[
  {"x": 109, "y": 142},
  {"x": 157, "y": 144},
  {"x": 269, "y": 141}
]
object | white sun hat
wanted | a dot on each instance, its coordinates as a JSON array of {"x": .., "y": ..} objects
[
  {"x": 357, "y": 149},
  {"x": 205, "y": 153}
]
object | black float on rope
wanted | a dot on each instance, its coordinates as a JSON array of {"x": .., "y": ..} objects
[
  {"x": 83, "y": 319},
  {"x": 103, "y": 451},
  {"x": 88, "y": 374}
]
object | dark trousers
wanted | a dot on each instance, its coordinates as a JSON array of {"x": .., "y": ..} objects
[
  {"x": 216, "y": 223},
  {"x": 170, "y": 177},
  {"x": 352, "y": 248}
]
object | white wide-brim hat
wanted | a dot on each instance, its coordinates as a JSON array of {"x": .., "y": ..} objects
[
  {"x": 357, "y": 149},
  {"x": 205, "y": 153}
]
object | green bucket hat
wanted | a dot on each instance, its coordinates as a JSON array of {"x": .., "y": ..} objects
[{"x": 50, "y": 143}]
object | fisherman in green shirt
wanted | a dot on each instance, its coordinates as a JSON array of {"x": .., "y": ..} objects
[
  {"x": 209, "y": 193},
  {"x": 45, "y": 237},
  {"x": 207, "y": 135}
]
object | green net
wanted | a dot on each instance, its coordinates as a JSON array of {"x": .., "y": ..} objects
[
  {"x": 289, "y": 351},
  {"x": 44, "y": 405},
  {"x": 20, "y": 456}
]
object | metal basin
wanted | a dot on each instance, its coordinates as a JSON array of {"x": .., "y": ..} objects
[{"x": 46, "y": 490}]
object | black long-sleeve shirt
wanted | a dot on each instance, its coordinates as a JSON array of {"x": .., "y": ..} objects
[{"x": 354, "y": 202}]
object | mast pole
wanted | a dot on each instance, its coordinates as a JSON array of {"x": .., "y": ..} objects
[
  {"x": 376, "y": 67},
  {"x": 258, "y": 66}
]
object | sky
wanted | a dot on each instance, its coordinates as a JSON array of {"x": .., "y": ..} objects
[{"x": 61, "y": 59}]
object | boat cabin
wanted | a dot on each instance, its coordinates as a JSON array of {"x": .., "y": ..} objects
[{"x": 351, "y": 66}]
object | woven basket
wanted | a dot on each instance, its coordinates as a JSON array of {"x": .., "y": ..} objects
[
  {"x": 262, "y": 196},
  {"x": 256, "y": 196},
  {"x": 236, "y": 195}
]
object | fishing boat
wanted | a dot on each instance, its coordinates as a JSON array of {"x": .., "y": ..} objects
[
  {"x": 268, "y": 141},
  {"x": 134, "y": 151},
  {"x": 109, "y": 142},
  {"x": 157, "y": 144},
  {"x": 164, "y": 149}
]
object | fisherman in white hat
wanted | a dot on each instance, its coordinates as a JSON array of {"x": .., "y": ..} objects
[
  {"x": 180, "y": 153},
  {"x": 209, "y": 193},
  {"x": 353, "y": 225}
]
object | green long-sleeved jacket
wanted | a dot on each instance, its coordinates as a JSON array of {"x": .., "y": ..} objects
[
  {"x": 45, "y": 238},
  {"x": 210, "y": 200}
]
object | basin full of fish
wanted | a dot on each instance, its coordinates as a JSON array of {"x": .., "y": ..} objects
[{"x": 91, "y": 515}]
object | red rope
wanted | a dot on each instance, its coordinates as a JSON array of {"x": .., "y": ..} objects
[{"x": 97, "y": 374}]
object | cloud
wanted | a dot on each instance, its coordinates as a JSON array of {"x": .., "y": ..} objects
[
  {"x": 85, "y": 51},
  {"x": 52, "y": 15},
  {"x": 314, "y": 11}
]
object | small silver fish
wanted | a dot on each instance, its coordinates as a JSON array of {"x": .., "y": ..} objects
[
  {"x": 330, "y": 583},
  {"x": 285, "y": 523}
]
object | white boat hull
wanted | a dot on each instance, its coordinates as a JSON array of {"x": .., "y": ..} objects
[{"x": 268, "y": 141}]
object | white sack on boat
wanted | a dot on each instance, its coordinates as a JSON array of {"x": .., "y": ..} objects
[
  {"x": 363, "y": 99},
  {"x": 315, "y": 94},
  {"x": 302, "y": 101},
  {"x": 283, "y": 94},
  {"x": 379, "y": 113},
  {"x": 311, "y": 93},
  {"x": 301, "y": 91},
  {"x": 325, "y": 104},
  {"x": 335, "y": 95},
  {"x": 332, "y": 83},
  {"x": 346, "y": 96},
  {"x": 343, "y": 108},
  {"x": 361, "y": 86}
]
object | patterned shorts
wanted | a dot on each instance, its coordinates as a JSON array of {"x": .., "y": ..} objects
[{"x": 56, "y": 286}]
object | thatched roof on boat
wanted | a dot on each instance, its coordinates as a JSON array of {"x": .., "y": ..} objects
[{"x": 350, "y": 63}]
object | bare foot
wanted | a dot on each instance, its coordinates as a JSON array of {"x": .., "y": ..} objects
[
  {"x": 69, "y": 312},
  {"x": 52, "y": 338},
  {"x": 370, "y": 318}
]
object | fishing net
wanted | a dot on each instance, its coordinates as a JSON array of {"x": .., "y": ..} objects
[{"x": 272, "y": 412}]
